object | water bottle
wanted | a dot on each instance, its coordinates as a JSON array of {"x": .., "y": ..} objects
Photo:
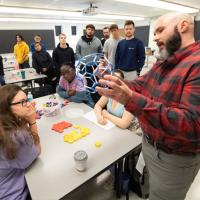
[{"x": 30, "y": 96}]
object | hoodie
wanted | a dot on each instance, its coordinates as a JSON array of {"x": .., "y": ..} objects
[
  {"x": 21, "y": 51},
  {"x": 62, "y": 55},
  {"x": 86, "y": 46},
  {"x": 41, "y": 60}
]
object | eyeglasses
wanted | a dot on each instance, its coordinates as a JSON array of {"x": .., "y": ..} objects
[{"x": 23, "y": 102}]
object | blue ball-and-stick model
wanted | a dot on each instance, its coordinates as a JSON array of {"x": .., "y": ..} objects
[{"x": 93, "y": 67}]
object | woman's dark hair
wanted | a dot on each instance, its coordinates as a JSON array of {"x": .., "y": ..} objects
[
  {"x": 20, "y": 36},
  {"x": 119, "y": 72},
  {"x": 9, "y": 123}
]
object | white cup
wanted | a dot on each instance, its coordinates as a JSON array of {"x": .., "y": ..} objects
[{"x": 80, "y": 158}]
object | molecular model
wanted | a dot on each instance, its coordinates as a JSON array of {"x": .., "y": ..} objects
[{"x": 93, "y": 67}]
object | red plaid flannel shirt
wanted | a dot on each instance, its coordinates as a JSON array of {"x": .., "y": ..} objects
[{"x": 166, "y": 101}]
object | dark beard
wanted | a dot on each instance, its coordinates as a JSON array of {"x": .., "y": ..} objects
[
  {"x": 89, "y": 36},
  {"x": 174, "y": 42}
]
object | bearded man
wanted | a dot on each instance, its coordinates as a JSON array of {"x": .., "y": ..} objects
[
  {"x": 88, "y": 43},
  {"x": 166, "y": 102}
]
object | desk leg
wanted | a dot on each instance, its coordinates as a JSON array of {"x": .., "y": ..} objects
[
  {"x": 126, "y": 170},
  {"x": 32, "y": 84},
  {"x": 119, "y": 179},
  {"x": 116, "y": 176}
]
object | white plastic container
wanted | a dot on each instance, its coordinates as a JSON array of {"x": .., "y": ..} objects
[{"x": 80, "y": 158}]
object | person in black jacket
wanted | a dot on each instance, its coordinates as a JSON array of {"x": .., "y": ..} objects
[
  {"x": 2, "y": 82},
  {"x": 63, "y": 53},
  {"x": 43, "y": 63}
]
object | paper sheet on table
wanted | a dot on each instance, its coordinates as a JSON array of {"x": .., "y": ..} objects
[{"x": 92, "y": 117}]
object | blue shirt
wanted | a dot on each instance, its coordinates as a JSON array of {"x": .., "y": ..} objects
[
  {"x": 32, "y": 47},
  {"x": 117, "y": 111},
  {"x": 12, "y": 181},
  {"x": 130, "y": 55}
]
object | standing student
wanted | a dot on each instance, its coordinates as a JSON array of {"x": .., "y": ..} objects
[
  {"x": 88, "y": 43},
  {"x": 37, "y": 39},
  {"x": 43, "y": 63},
  {"x": 106, "y": 35},
  {"x": 19, "y": 142},
  {"x": 21, "y": 51},
  {"x": 130, "y": 53},
  {"x": 110, "y": 45},
  {"x": 62, "y": 53},
  {"x": 166, "y": 102}
]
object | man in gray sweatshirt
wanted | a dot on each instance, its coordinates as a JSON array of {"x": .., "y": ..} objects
[{"x": 88, "y": 43}]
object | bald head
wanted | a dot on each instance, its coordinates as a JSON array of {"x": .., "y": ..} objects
[
  {"x": 176, "y": 18},
  {"x": 173, "y": 31}
]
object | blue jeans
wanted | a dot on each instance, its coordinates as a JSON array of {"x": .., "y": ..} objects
[{"x": 79, "y": 97}]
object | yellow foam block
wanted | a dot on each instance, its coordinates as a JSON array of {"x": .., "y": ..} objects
[
  {"x": 98, "y": 144},
  {"x": 83, "y": 134},
  {"x": 76, "y": 126},
  {"x": 68, "y": 139},
  {"x": 75, "y": 135}
]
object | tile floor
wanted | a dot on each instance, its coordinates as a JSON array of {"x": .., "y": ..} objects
[{"x": 94, "y": 190}]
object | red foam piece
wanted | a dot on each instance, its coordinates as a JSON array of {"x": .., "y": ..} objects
[{"x": 59, "y": 127}]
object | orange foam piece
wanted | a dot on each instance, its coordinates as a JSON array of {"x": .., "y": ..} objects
[{"x": 59, "y": 127}]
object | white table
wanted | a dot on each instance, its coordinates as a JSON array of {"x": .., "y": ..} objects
[
  {"x": 14, "y": 76},
  {"x": 53, "y": 174}
]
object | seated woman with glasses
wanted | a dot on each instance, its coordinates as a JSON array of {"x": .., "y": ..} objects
[
  {"x": 115, "y": 111},
  {"x": 19, "y": 142}
]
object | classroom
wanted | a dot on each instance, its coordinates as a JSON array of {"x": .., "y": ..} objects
[{"x": 100, "y": 100}]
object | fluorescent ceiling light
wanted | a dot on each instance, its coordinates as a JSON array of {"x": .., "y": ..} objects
[
  {"x": 15, "y": 10},
  {"x": 122, "y": 17},
  {"x": 45, "y": 12},
  {"x": 162, "y": 4},
  {"x": 53, "y": 21}
]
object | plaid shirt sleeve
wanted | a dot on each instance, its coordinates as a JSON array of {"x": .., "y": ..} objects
[{"x": 179, "y": 121}]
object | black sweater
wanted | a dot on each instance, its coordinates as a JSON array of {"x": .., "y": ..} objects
[
  {"x": 62, "y": 55},
  {"x": 41, "y": 60}
]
